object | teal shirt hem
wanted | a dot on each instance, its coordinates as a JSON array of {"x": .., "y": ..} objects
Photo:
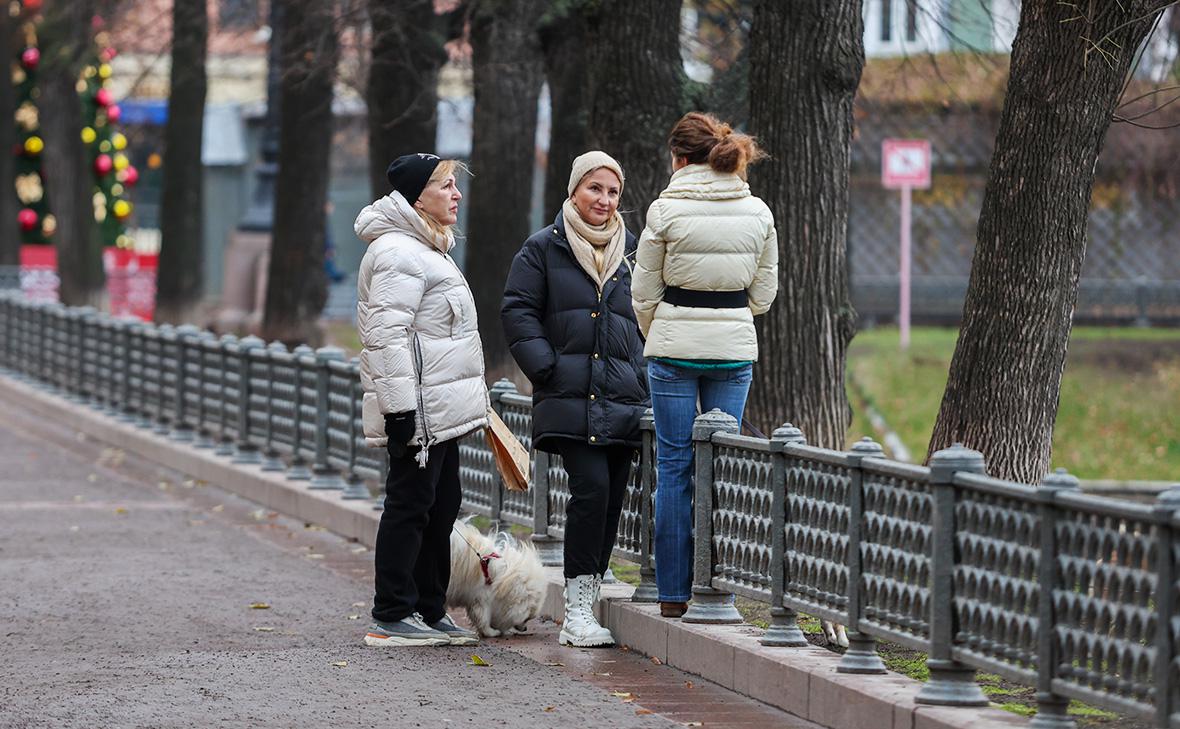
[{"x": 703, "y": 364}]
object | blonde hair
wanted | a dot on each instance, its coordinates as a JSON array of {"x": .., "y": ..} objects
[
  {"x": 703, "y": 138},
  {"x": 442, "y": 171}
]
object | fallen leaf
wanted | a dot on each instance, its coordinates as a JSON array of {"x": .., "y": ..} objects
[
  {"x": 315, "y": 556},
  {"x": 260, "y": 606},
  {"x": 628, "y": 701},
  {"x": 258, "y": 514},
  {"x": 188, "y": 484},
  {"x": 359, "y": 550},
  {"x": 549, "y": 708},
  {"x": 643, "y": 712},
  {"x": 74, "y": 528},
  {"x": 477, "y": 661},
  {"x": 603, "y": 674},
  {"x": 120, "y": 510},
  {"x": 314, "y": 528},
  {"x": 553, "y": 664},
  {"x": 163, "y": 485},
  {"x": 354, "y": 617},
  {"x": 359, "y": 604},
  {"x": 92, "y": 477},
  {"x": 79, "y": 497},
  {"x": 657, "y": 661},
  {"x": 340, "y": 664},
  {"x": 264, "y": 629},
  {"x": 219, "y": 507},
  {"x": 688, "y": 684},
  {"x": 621, "y": 694},
  {"x": 694, "y": 723}
]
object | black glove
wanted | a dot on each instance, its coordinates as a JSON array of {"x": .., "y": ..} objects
[{"x": 399, "y": 428}]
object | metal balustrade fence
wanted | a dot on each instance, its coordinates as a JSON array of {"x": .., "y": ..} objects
[{"x": 1073, "y": 594}]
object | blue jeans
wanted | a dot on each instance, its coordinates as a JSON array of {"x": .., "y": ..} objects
[{"x": 674, "y": 395}]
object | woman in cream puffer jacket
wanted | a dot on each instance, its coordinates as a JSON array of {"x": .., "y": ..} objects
[
  {"x": 706, "y": 264},
  {"x": 423, "y": 377}
]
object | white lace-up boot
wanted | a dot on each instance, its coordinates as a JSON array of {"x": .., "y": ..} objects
[{"x": 580, "y": 628}]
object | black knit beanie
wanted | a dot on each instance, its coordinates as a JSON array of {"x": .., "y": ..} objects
[{"x": 409, "y": 174}]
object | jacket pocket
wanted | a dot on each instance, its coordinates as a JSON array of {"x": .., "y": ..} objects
[{"x": 459, "y": 317}]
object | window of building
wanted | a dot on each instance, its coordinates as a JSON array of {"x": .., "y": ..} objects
[
  {"x": 886, "y": 20},
  {"x": 911, "y": 20},
  {"x": 237, "y": 14}
]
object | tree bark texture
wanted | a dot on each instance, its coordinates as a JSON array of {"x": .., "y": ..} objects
[
  {"x": 563, "y": 40},
  {"x": 638, "y": 90},
  {"x": 508, "y": 69},
  {"x": 805, "y": 64},
  {"x": 9, "y": 235},
  {"x": 179, "y": 281},
  {"x": 296, "y": 284},
  {"x": 402, "y": 93},
  {"x": 69, "y": 183},
  {"x": 1069, "y": 63}
]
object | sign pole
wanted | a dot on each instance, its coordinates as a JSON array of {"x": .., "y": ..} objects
[{"x": 903, "y": 318}]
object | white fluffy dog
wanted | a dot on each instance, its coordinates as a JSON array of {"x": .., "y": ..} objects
[{"x": 499, "y": 580}]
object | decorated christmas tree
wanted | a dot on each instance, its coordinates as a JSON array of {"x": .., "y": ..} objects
[{"x": 113, "y": 172}]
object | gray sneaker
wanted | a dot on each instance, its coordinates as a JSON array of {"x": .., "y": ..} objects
[
  {"x": 408, "y": 631},
  {"x": 457, "y": 635}
]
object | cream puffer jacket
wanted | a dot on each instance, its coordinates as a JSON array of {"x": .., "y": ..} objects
[
  {"x": 416, "y": 319},
  {"x": 706, "y": 232}
]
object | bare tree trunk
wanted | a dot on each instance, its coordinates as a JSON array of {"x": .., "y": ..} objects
[
  {"x": 9, "y": 233},
  {"x": 638, "y": 90},
  {"x": 806, "y": 59},
  {"x": 69, "y": 182},
  {"x": 402, "y": 93},
  {"x": 506, "y": 55},
  {"x": 297, "y": 284},
  {"x": 179, "y": 281},
  {"x": 1069, "y": 64},
  {"x": 563, "y": 39}
]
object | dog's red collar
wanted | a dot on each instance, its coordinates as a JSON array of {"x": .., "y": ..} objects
[{"x": 484, "y": 559}]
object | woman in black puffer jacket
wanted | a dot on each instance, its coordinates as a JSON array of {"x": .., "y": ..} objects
[{"x": 570, "y": 325}]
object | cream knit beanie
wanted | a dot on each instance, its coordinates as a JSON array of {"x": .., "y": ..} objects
[{"x": 586, "y": 163}]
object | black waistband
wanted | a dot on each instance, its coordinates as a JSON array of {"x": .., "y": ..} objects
[{"x": 706, "y": 299}]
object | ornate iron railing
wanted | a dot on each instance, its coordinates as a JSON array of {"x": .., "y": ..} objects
[{"x": 1071, "y": 593}]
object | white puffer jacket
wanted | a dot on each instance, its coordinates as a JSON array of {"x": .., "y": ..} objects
[
  {"x": 416, "y": 319},
  {"x": 706, "y": 232}
]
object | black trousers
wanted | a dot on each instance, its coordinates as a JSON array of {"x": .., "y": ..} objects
[
  {"x": 413, "y": 554},
  {"x": 598, "y": 478}
]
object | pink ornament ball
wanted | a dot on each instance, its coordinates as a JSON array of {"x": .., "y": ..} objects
[
  {"x": 130, "y": 176},
  {"x": 30, "y": 58},
  {"x": 113, "y": 113},
  {"x": 27, "y": 219},
  {"x": 102, "y": 97},
  {"x": 103, "y": 164}
]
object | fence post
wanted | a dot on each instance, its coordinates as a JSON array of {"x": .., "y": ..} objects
[
  {"x": 304, "y": 357},
  {"x": 495, "y": 393},
  {"x": 270, "y": 453},
  {"x": 709, "y": 605},
  {"x": 160, "y": 334},
  {"x": 225, "y": 444},
  {"x": 247, "y": 452},
  {"x": 203, "y": 346},
  {"x": 1051, "y": 709},
  {"x": 186, "y": 343},
  {"x": 861, "y": 656},
  {"x": 323, "y": 476},
  {"x": 951, "y": 683},
  {"x": 784, "y": 629},
  {"x": 549, "y": 548},
  {"x": 1165, "y": 607},
  {"x": 354, "y": 485},
  {"x": 1141, "y": 319},
  {"x": 647, "y": 590}
]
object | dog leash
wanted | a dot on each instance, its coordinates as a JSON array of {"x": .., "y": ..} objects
[{"x": 484, "y": 560}]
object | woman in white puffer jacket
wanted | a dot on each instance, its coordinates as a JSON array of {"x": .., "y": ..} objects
[
  {"x": 422, "y": 371},
  {"x": 707, "y": 263}
]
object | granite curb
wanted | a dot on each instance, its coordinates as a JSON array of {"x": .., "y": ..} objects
[{"x": 802, "y": 681}]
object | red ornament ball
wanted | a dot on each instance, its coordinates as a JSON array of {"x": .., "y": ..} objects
[
  {"x": 102, "y": 97},
  {"x": 108, "y": 54},
  {"x": 103, "y": 164},
  {"x": 130, "y": 176},
  {"x": 30, "y": 58},
  {"x": 32, "y": 5},
  {"x": 113, "y": 113},
  {"x": 27, "y": 219}
]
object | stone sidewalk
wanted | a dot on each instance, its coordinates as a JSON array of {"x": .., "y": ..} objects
[{"x": 127, "y": 594}]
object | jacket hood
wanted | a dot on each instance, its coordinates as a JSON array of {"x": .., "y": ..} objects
[
  {"x": 392, "y": 214},
  {"x": 702, "y": 182}
]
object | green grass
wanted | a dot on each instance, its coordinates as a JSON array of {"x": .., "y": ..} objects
[{"x": 1113, "y": 420}]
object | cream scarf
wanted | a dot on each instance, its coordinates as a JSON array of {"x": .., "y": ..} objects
[{"x": 597, "y": 248}]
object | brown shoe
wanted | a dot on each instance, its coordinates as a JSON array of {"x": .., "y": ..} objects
[{"x": 673, "y": 609}]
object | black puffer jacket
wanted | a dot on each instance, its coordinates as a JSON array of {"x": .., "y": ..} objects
[{"x": 582, "y": 353}]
